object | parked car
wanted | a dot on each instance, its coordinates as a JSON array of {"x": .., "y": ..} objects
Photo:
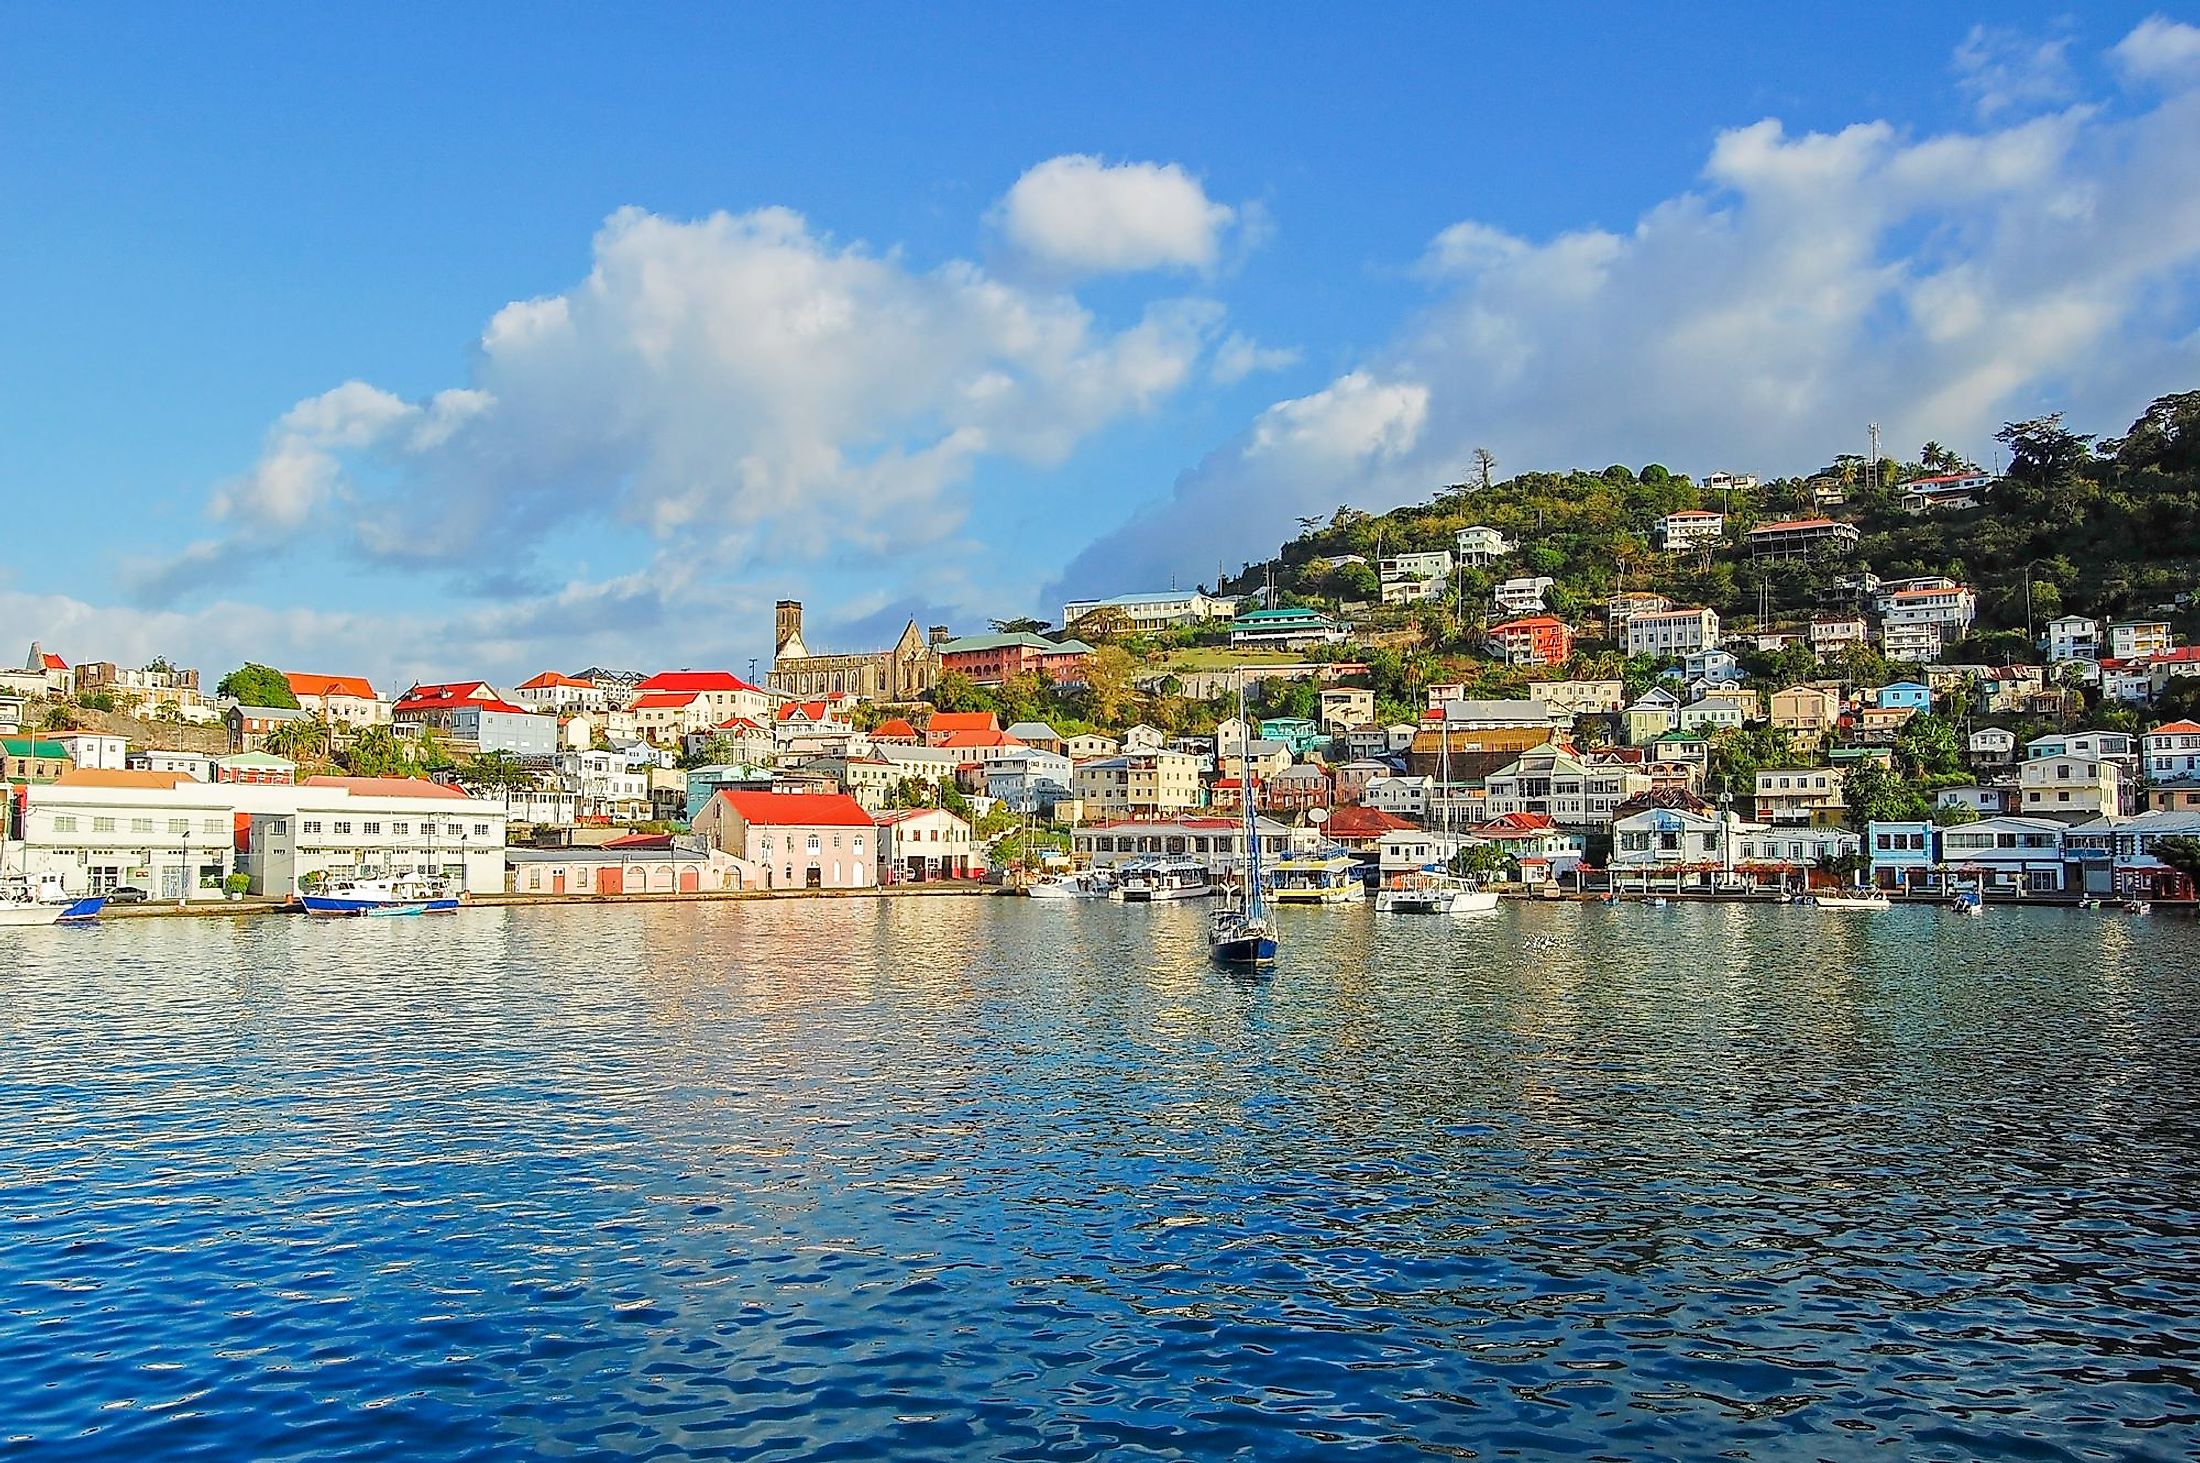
[{"x": 127, "y": 894}]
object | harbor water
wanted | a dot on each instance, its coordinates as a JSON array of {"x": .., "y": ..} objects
[{"x": 1001, "y": 1179}]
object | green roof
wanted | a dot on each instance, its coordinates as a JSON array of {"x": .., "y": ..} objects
[
  {"x": 1002, "y": 642},
  {"x": 32, "y": 747},
  {"x": 1251, "y": 616}
]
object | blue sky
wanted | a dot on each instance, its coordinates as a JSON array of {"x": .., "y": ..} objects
[{"x": 473, "y": 340}]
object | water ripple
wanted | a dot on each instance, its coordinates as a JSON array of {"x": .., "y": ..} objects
[{"x": 959, "y": 1179}]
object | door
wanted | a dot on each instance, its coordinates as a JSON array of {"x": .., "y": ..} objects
[
  {"x": 690, "y": 881},
  {"x": 171, "y": 883},
  {"x": 607, "y": 881},
  {"x": 557, "y": 881}
]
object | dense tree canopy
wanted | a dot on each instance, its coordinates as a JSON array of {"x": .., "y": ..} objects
[{"x": 258, "y": 685}]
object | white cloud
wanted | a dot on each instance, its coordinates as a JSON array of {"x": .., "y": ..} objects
[
  {"x": 1241, "y": 356},
  {"x": 2004, "y": 70},
  {"x": 1081, "y": 215},
  {"x": 1938, "y": 285},
  {"x": 1354, "y": 417},
  {"x": 2160, "y": 50},
  {"x": 738, "y": 384}
]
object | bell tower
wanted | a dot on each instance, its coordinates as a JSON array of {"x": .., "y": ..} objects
[{"x": 787, "y": 631}]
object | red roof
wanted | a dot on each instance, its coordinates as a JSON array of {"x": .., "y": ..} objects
[
  {"x": 548, "y": 679},
  {"x": 633, "y": 841},
  {"x": 1516, "y": 825},
  {"x": 978, "y": 739},
  {"x": 695, "y": 681},
  {"x": 664, "y": 700},
  {"x": 1923, "y": 593},
  {"x": 1795, "y": 523},
  {"x": 2177, "y": 728},
  {"x": 305, "y": 683},
  {"x": 962, "y": 721},
  {"x": 738, "y": 723},
  {"x": 389, "y": 787},
  {"x": 53, "y": 662},
  {"x": 805, "y": 711},
  {"x": 797, "y": 809},
  {"x": 457, "y": 693},
  {"x": 1532, "y": 622},
  {"x": 1356, "y": 821},
  {"x": 894, "y": 728}
]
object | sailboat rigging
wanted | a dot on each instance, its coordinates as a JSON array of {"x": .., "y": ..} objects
[{"x": 1239, "y": 934}]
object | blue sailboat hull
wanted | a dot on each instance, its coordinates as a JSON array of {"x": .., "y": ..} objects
[{"x": 1245, "y": 950}]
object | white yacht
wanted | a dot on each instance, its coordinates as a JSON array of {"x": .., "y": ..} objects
[
  {"x": 1152, "y": 880},
  {"x": 1088, "y": 884},
  {"x": 1431, "y": 891}
]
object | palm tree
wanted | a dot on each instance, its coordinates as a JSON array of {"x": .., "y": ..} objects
[{"x": 300, "y": 740}]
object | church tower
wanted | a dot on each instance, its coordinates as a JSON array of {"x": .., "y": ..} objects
[{"x": 787, "y": 627}]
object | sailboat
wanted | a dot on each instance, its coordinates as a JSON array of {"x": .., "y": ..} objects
[
  {"x": 1434, "y": 889},
  {"x": 1239, "y": 934}
]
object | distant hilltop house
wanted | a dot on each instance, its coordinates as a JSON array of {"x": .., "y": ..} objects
[
  {"x": 1161, "y": 611},
  {"x": 1481, "y": 544},
  {"x": 1690, "y": 528},
  {"x": 903, "y": 672},
  {"x": 1801, "y": 538},
  {"x": 1948, "y": 490}
]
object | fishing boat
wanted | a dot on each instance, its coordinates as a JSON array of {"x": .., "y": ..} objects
[
  {"x": 1152, "y": 880},
  {"x": 1322, "y": 876},
  {"x": 1856, "y": 899},
  {"x": 401, "y": 894},
  {"x": 1239, "y": 935},
  {"x": 1433, "y": 891},
  {"x": 1090, "y": 884}
]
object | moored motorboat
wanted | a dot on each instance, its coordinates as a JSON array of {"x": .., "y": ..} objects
[
  {"x": 365, "y": 896},
  {"x": 1090, "y": 884},
  {"x": 1860, "y": 899},
  {"x": 1431, "y": 891},
  {"x": 1154, "y": 880},
  {"x": 1323, "y": 876}
]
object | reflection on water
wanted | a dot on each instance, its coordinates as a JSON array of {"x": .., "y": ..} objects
[{"x": 965, "y": 1178}]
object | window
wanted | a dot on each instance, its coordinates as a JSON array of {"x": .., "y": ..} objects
[
  {"x": 179, "y": 825},
  {"x": 214, "y": 825},
  {"x": 141, "y": 825},
  {"x": 400, "y": 829},
  {"x": 343, "y": 826},
  {"x": 64, "y": 823},
  {"x": 375, "y": 828},
  {"x": 309, "y": 825},
  {"x": 481, "y": 830},
  {"x": 812, "y": 844}
]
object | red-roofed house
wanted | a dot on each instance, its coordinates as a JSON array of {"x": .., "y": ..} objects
[
  {"x": 794, "y": 840},
  {"x": 664, "y": 717},
  {"x": 1533, "y": 640},
  {"x": 1534, "y": 836},
  {"x": 1360, "y": 828},
  {"x": 945, "y": 724},
  {"x": 895, "y": 733},
  {"x": 472, "y": 716},
  {"x": 724, "y": 693},
  {"x": 1799, "y": 538},
  {"x": 553, "y": 693},
  {"x": 917, "y": 845},
  {"x": 338, "y": 700},
  {"x": 737, "y": 738},
  {"x": 978, "y": 746},
  {"x": 2171, "y": 754}
]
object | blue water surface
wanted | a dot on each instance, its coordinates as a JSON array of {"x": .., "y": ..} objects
[{"x": 968, "y": 1178}]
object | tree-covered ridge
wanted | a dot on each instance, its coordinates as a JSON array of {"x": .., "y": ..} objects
[{"x": 2108, "y": 528}]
